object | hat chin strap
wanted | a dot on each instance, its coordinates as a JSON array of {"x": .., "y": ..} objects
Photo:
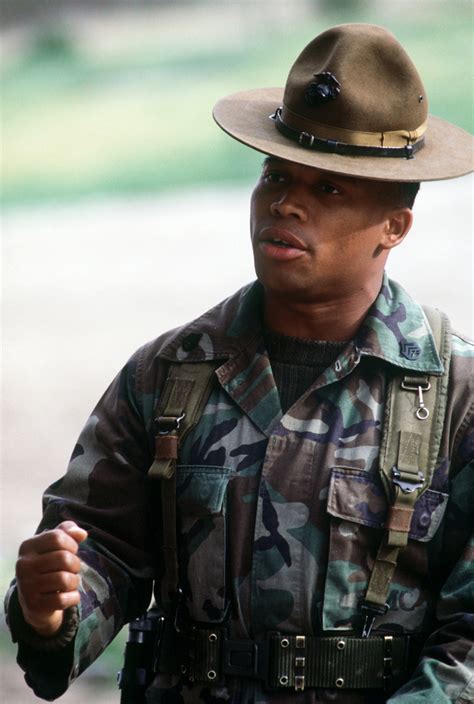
[{"x": 333, "y": 146}]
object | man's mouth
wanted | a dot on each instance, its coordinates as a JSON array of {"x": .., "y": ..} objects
[
  {"x": 280, "y": 245},
  {"x": 281, "y": 238}
]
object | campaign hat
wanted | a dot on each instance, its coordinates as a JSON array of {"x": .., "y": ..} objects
[{"x": 353, "y": 104}]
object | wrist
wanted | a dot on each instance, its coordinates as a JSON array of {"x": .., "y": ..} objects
[
  {"x": 46, "y": 628},
  {"x": 25, "y": 632}
]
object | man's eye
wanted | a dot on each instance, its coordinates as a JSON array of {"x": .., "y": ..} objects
[
  {"x": 330, "y": 189},
  {"x": 273, "y": 177}
]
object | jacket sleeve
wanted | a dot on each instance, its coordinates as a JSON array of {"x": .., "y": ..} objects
[
  {"x": 105, "y": 491},
  {"x": 445, "y": 672}
]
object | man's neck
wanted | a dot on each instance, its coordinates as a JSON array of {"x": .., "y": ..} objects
[{"x": 337, "y": 319}]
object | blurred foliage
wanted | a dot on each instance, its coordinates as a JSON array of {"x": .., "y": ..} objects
[
  {"x": 18, "y": 11},
  {"x": 52, "y": 44},
  {"x": 84, "y": 116}
]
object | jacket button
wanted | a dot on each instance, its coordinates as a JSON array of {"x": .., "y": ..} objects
[
  {"x": 190, "y": 342},
  {"x": 424, "y": 520}
]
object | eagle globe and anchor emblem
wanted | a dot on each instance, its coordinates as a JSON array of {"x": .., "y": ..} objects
[{"x": 324, "y": 88}]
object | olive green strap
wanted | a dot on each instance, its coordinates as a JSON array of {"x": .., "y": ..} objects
[
  {"x": 415, "y": 408},
  {"x": 184, "y": 396},
  {"x": 414, "y": 416}
]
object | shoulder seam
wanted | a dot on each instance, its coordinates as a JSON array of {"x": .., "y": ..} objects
[{"x": 139, "y": 387}]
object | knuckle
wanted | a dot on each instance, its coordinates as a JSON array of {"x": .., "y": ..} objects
[
  {"x": 62, "y": 559},
  {"x": 58, "y": 537},
  {"x": 76, "y": 564},
  {"x": 71, "y": 562},
  {"x": 72, "y": 580},
  {"x": 68, "y": 581},
  {"x": 27, "y": 546},
  {"x": 23, "y": 547},
  {"x": 21, "y": 568},
  {"x": 24, "y": 569},
  {"x": 66, "y": 599}
]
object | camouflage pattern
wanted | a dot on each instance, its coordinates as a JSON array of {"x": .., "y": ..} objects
[{"x": 279, "y": 516}]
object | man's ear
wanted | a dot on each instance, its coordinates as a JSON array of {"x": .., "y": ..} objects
[{"x": 397, "y": 225}]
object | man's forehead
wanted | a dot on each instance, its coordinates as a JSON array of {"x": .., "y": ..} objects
[{"x": 321, "y": 173}]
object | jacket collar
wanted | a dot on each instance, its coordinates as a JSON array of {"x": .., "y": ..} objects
[
  {"x": 222, "y": 332},
  {"x": 395, "y": 330}
]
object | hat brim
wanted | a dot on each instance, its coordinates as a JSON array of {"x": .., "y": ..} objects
[{"x": 245, "y": 116}]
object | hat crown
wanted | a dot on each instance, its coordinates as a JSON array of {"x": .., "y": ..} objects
[
  {"x": 377, "y": 87},
  {"x": 353, "y": 104}
]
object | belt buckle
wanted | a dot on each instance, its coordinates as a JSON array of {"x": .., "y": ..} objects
[{"x": 240, "y": 659}]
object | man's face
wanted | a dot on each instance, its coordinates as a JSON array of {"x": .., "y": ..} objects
[{"x": 317, "y": 235}]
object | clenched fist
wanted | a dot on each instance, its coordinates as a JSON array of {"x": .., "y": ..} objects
[{"x": 47, "y": 574}]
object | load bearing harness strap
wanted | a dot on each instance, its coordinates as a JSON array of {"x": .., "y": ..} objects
[
  {"x": 413, "y": 424},
  {"x": 185, "y": 393}
]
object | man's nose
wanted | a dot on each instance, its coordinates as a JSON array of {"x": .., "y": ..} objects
[{"x": 290, "y": 203}]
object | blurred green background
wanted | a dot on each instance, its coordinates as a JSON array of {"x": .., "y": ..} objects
[{"x": 118, "y": 100}]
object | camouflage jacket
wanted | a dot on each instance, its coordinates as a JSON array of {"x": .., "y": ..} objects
[{"x": 279, "y": 516}]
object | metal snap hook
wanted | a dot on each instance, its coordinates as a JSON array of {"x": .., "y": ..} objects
[{"x": 422, "y": 412}]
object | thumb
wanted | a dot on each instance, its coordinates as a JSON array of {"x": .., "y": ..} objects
[{"x": 76, "y": 532}]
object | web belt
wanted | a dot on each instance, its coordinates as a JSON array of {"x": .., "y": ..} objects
[{"x": 294, "y": 662}]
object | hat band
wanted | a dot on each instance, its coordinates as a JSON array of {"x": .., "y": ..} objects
[
  {"x": 353, "y": 148},
  {"x": 389, "y": 138}
]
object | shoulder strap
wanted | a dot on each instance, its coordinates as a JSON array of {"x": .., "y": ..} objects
[
  {"x": 415, "y": 409},
  {"x": 179, "y": 409}
]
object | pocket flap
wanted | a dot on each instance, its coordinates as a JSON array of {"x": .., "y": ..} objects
[
  {"x": 202, "y": 488},
  {"x": 359, "y": 497}
]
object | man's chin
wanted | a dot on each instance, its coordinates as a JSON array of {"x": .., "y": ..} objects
[{"x": 289, "y": 290}]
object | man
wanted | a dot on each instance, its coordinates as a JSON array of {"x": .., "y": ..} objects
[{"x": 303, "y": 573}]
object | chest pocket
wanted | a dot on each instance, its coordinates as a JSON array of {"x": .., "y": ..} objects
[
  {"x": 201, "y": 506},
  {"x": 358, "y": 507}
]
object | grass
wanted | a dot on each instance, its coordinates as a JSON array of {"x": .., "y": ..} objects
[{"x": 80, "y": 123}]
